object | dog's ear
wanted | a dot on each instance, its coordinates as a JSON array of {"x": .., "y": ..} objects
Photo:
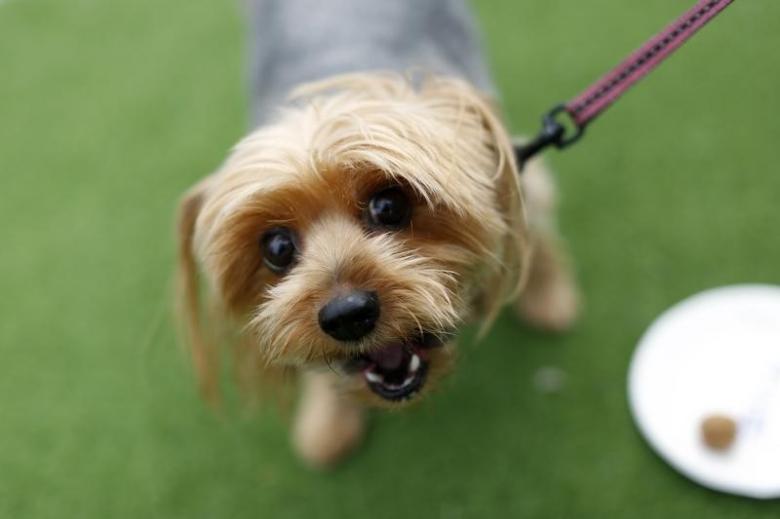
[
  {"x": 188, "y": 300},
  {"x": 508, "y": 261},
  {"x": 504, "y": 283}
]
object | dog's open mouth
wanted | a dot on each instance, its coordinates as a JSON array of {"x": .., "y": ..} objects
[{"x": 396, "y": 371}]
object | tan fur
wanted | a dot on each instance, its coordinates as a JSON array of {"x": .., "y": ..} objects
[
  {"x": 463, "y": 256},
  {"x": 330, "y": 423},
  {"x": 204, "y": 356},
  {"x": 549, "y": 300}
]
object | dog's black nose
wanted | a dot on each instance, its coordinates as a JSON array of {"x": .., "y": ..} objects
[{"x": 351, "y": 316}]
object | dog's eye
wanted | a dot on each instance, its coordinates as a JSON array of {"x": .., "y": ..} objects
[
  {"x": 389, "y": 208},
  {"x": 279, "y": 249}
]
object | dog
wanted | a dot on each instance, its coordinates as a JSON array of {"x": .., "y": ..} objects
[{"x": 366, "y": 218}]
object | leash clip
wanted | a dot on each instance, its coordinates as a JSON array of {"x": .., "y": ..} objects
[{"x": 553, "y": 133}]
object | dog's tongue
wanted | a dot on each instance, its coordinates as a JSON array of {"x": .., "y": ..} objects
[{"x": 389, "y": 358}]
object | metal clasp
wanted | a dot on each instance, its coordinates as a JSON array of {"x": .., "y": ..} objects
[{"x": 553, "y": 133}]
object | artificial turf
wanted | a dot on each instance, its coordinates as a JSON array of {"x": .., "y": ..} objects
[{"x": 109, "y": 110}]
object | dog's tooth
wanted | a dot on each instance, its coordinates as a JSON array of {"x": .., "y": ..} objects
[
  {"x": 374, "y": 377},
  {"x": 414, "y": 364},
  {"x": 407, "y": 381}
]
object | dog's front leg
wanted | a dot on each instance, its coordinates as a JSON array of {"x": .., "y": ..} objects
[
  {"x": 329, "y": 423},
  {"x": 550, "y": 300}
]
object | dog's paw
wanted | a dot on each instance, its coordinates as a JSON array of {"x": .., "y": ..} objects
[
  {"x": 328, "y": 427},
  {"x": 322, "y": 439},
  {"x": 553, "y": 305}
]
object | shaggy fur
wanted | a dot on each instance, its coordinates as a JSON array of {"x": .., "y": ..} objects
[{"x": 465, "y": 253}]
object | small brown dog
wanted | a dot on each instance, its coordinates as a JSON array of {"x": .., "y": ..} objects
[{"x": 349, "y": 238}]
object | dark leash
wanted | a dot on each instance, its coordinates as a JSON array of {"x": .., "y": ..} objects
[{"x": 584, "y": 108}]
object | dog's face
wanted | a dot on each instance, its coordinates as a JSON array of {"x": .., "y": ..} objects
[{"x": 359, "y": 230}]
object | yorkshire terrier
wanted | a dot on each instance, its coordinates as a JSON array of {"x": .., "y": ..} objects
[{"x": 351, "y": 234}]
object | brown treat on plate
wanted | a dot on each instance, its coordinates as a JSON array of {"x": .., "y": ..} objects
[{"x": 718, "y": 431}]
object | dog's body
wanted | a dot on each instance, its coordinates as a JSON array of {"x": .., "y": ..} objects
[
  {"x": 355, "y": 230},
  {"x": 295, "y": 42}
]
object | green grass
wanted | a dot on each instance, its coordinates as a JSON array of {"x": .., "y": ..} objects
[{"x": 109, "y": 110}]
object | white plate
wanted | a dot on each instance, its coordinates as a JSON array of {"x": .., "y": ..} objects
[{"x": 715, "y": 352}]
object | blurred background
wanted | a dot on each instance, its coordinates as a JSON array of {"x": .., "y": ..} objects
[{"x": 109, "y": 110}]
